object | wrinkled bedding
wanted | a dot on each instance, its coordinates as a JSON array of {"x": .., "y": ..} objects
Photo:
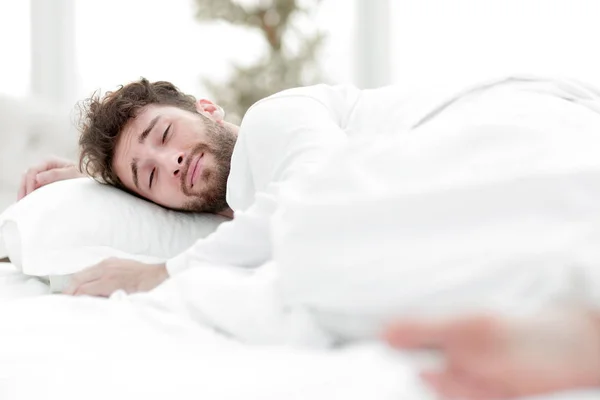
[
  {"x": 15, "y": 285},
  {"x": 59, "y": 347},
  {"x": 65, "y": 348}
]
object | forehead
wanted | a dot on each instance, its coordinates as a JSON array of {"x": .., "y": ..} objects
[
  {"x": 128, "y": 137},
  {"x": 137, "y": 124},
  {"x": 134, "y": 127}
]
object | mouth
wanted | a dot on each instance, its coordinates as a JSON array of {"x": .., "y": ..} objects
[{"x": 194, "y": 170}]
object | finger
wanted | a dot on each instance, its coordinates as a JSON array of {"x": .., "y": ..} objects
[
  {"x": 457, "y": 386},
  {"x": 416, "y": 334},
  {"x": 481, "y": 385},
  {"x": 63, "y": 163},
  {"x": 98, "y": 288},
  {"x": 53, "y": 175},
  {"x": 435, "y": 380},
  {"x": 71, "y": 288},
  {"x": 30, "y": 181},
  {"x": 26, "y": 179},
  {"x": 25, "y": 182},
  {"x": 474, "y": 387},
  {"x": 75, "y": 288},
  {"x": 54, "y": 162},
  {"x": 83, "y": 277},
  {"x": 464, "y": 384}
]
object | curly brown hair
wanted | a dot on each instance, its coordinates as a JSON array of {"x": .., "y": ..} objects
[{"x": 103, "y": 119}]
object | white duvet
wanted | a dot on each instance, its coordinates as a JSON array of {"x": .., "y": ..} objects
[{"x": 454, "y": 217}]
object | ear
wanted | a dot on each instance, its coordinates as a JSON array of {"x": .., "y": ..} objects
[{"x": 214, "y": 111}]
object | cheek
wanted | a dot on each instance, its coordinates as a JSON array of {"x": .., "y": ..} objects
[
  {"x": 188, "y": 135},
  {"x": 168, "y": 194}
]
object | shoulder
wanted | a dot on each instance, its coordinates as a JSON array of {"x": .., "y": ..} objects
[{"x": 302, "y": 104}]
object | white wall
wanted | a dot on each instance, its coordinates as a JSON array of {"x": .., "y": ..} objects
[
  {"x": 465, "y": 40},
  {"x": 14, "y": 47}
]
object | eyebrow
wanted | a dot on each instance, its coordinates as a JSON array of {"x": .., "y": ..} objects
[
  {"x": 141, "y": 139},
  {"x": 146, "y": 131},
  {"x": 134, "y": 171}
]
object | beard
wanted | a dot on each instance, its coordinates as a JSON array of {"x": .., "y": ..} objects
[{"x": 213, "y": 181}]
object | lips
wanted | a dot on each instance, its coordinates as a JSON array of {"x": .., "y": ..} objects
[{"x": 193, "y": 170}]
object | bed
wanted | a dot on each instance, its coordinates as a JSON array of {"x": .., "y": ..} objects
[
  {"x": 53, "y": 346},
  {"x": 171, "y": 343},
  {"x": 69, "y": 348}
]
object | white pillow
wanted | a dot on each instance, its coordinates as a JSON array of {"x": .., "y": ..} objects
[{"x": 67, "y": 226}]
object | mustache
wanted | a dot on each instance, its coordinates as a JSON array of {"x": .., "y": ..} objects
[{"x": 200, "y": 148}]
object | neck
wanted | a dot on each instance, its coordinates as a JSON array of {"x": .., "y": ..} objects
[{"x": 228, "y": 212}]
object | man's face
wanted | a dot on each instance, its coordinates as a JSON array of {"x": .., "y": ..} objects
[{"x": 176, "y": 158}]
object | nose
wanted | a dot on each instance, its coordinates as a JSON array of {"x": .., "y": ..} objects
[
  {"x": 173, "y": 163},
  {"x": 177, "y": 168}
]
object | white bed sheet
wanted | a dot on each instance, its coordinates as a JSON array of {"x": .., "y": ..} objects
[
  {"x": 69, "y": 348},
  {"x": 14, "y": 285},
  {"x": 59, "y": 347}
]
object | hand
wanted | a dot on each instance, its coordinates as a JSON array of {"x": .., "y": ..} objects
[
  {"x": 113, "y": 274},
  {"x": 51, "y": 170},
  {"x": 494, "y": 357}
]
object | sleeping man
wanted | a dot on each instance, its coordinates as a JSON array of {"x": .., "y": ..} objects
[
  {"x": 158, "y": 143},
  {"x": 154, "y": 141}
]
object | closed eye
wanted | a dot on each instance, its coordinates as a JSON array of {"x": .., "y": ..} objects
[
  {"x": 164, "y": 136},
  {"x": 151, "y": 179}
]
